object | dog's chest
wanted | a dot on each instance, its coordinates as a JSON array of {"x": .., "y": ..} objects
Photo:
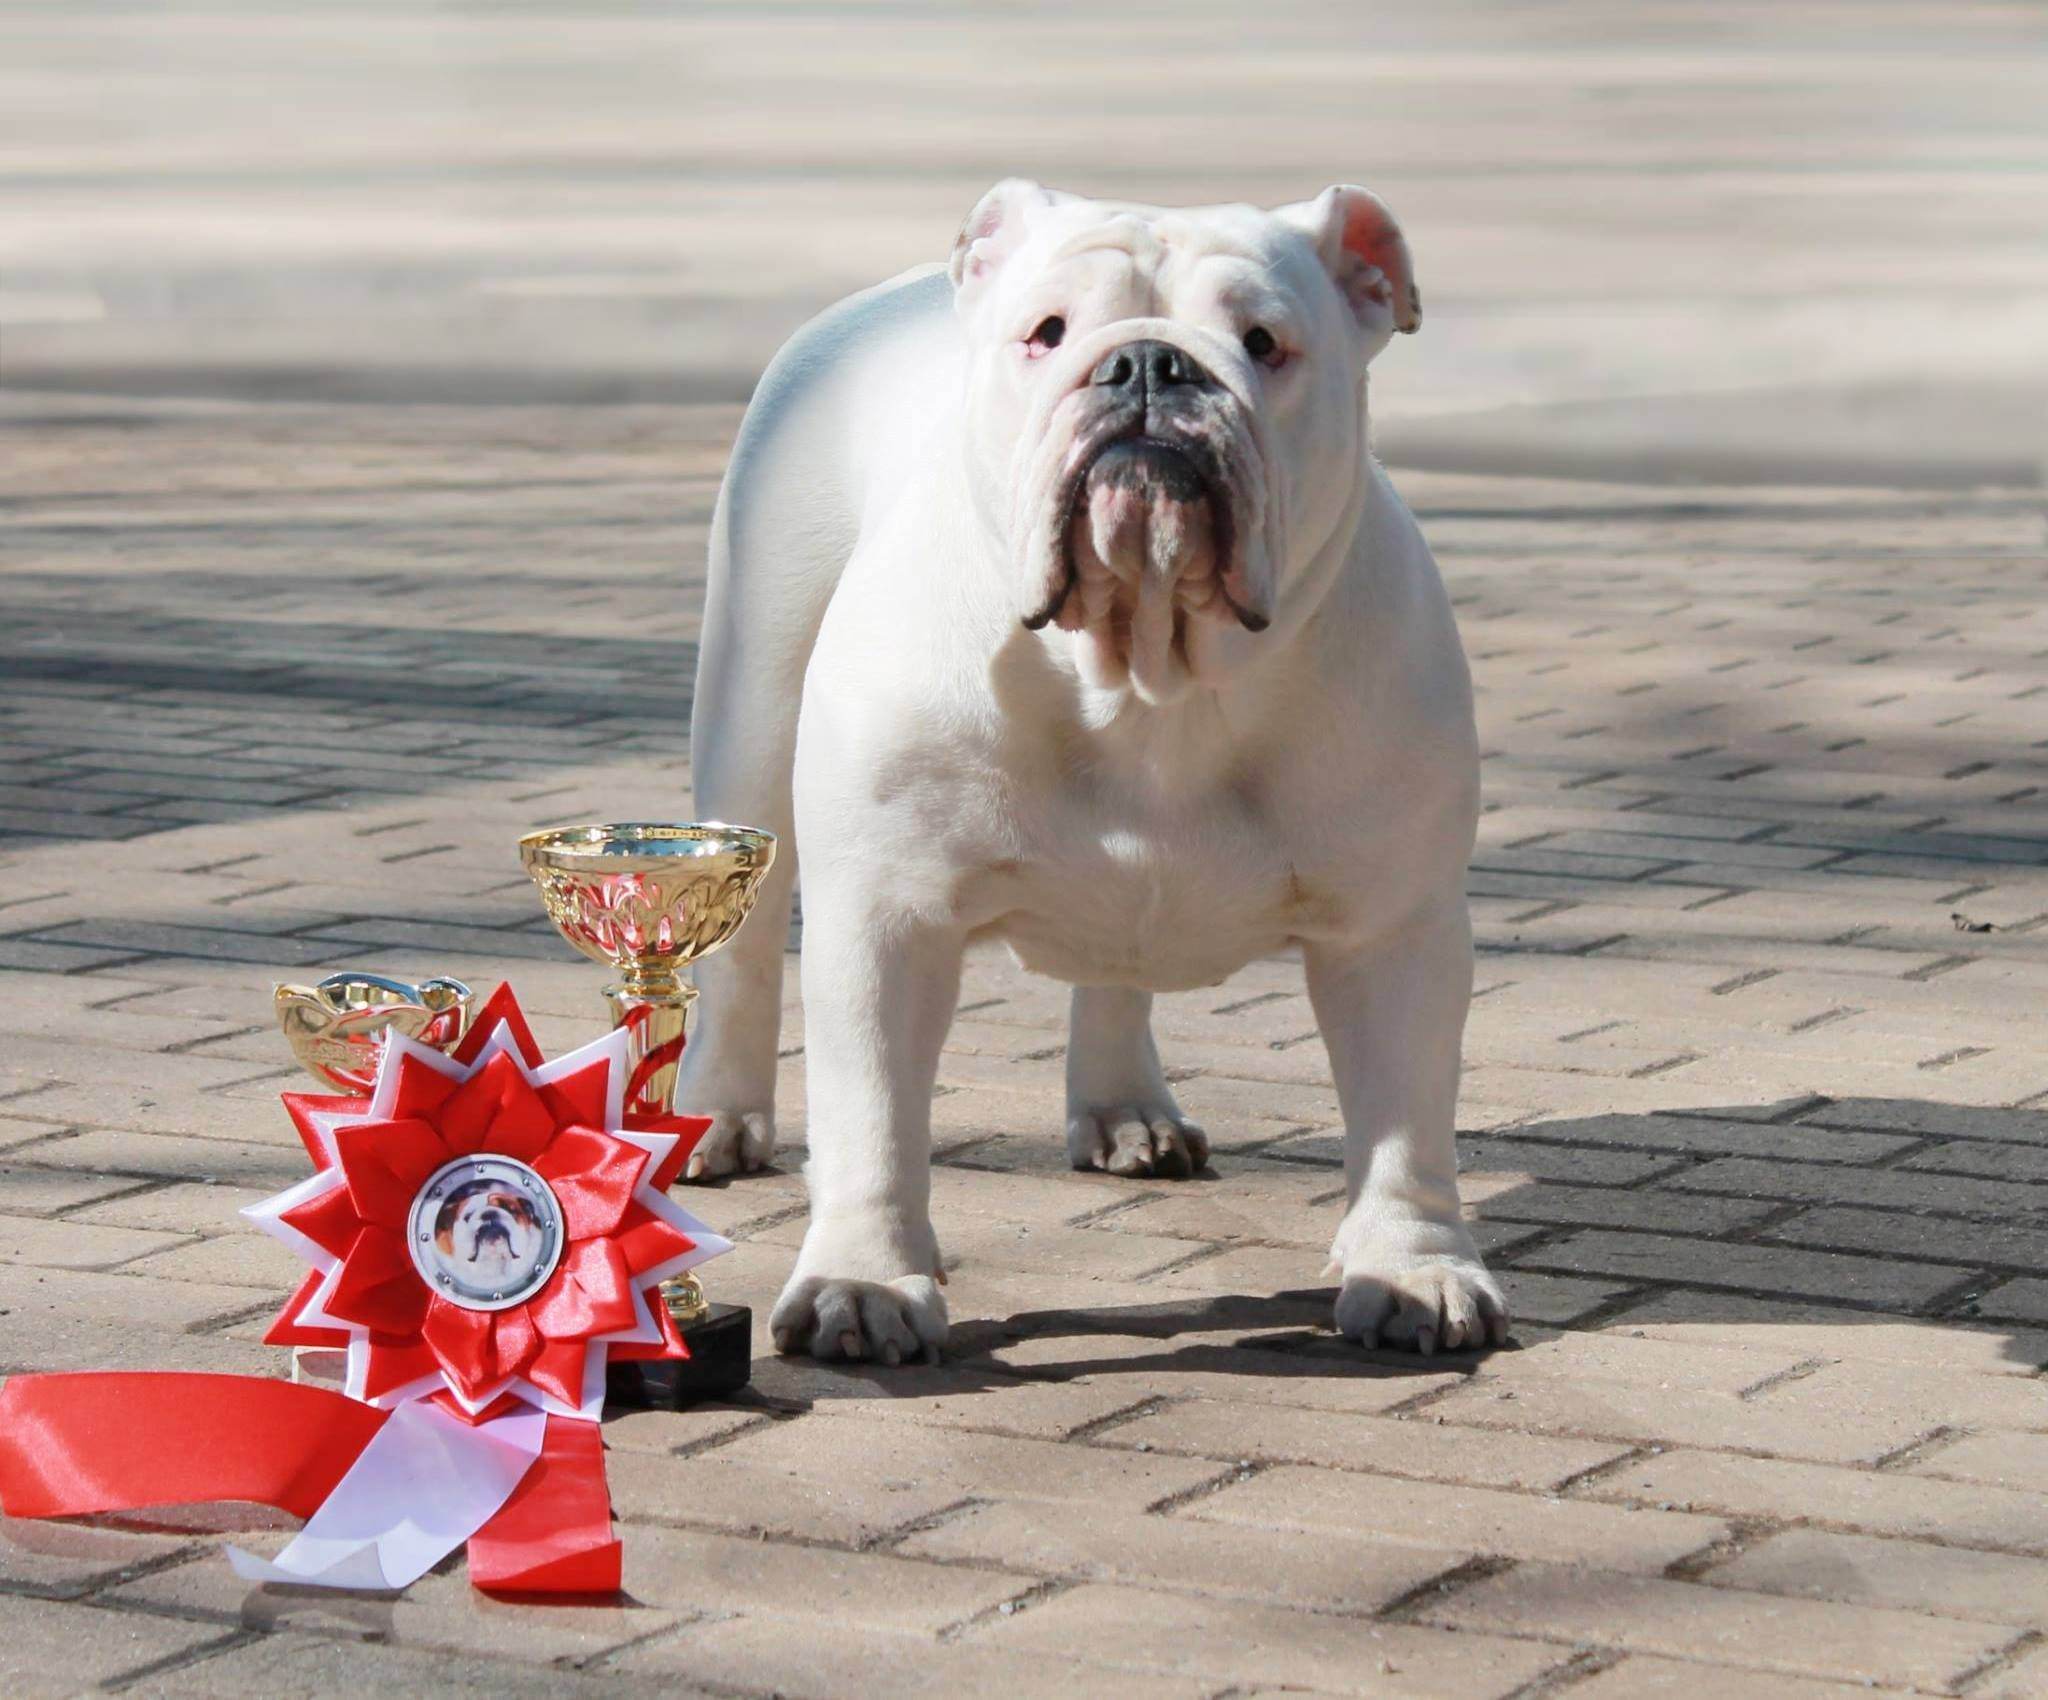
[{"x": 1164, "y": 897}]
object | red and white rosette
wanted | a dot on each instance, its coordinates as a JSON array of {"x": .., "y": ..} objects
[{"x": 485, "y": 1232}]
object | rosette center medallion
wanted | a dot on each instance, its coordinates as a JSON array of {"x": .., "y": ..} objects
[{"x": 485, "y": 1232}]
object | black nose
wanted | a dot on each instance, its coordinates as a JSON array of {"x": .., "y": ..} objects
[{"x": 1143, "y": 368}]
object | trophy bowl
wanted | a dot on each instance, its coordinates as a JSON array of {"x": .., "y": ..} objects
[
  {"x": 646, "y": 897},
  {"x": 338, "y": 1027}
]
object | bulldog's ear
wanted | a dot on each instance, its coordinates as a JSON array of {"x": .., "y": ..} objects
[
  {"x": 1364, "y": 250},
  {"x": 996, "y": 227}
]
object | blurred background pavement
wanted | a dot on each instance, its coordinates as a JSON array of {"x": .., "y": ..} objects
[{"x": 1777, "y": 241}]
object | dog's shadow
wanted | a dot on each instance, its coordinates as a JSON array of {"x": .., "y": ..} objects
[
  {"x": 1278, "y": 1336},
  {"x": 1768, "y": 1180}
]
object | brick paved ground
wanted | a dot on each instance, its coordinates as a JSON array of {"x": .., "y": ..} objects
[{"x": 1756, "y": 1120}]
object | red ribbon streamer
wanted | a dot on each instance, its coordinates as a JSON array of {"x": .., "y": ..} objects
[
  {"x": 554, "y": 1535},
  {"x": 72, "y": 1445},
  {"x": 120, "y": 1440}
]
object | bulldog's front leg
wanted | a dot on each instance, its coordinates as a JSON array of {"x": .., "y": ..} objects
[
  {"x": 1393, "y": 1016},
  {"x": 879, "y": 990}
]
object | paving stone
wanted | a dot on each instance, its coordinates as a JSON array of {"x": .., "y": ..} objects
[
  {"x": 74, "y": 1245},
  {"x": 1692, "y": 1318},
  {"x": 1992, "y": 1244},
  {"x": 1645, "y": 1675},
  {"x": 1906, "y": 1575},
  {"x": 1517, "y": 1525},
  {"x": 1421, "y": 1448},
  {"x": 1355, "y": 1576},
  {"x": 702, "y": 1570},
  {"x": 967, "y": 1464},
  {"x": 1651, "y": 1415},
  {"x": 717, "y": 1491},
  {"x": 1889, "y": 1503},
  {"x": 2025, "y": 1297},
  {"x": 2024, "y": 1678},
  {"x": 65, "y": 1560},
  {"x": 1873, "y": 1396},
  {"x": 1802, "y": 1273},
  {"x": 438, "y": 1611},
  {"x": 2001, "y": 1459},
  {"x": 26, "y": 1191},
  {"x": 1803, "y": 1637},
  {"x": 762, "y": 1655},
  {"x": 299, "y": 1666},
  {"x": 175, "y": 1209},
  {"x": 1237, "y": 1641},
  {"x": 53, "y": 1649},
  {"x": 1892, "y": 1189}
]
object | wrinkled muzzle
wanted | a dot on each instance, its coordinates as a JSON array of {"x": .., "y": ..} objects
[{"x": 1144, "y": 508}]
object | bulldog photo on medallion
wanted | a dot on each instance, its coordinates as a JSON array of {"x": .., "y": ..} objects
[
  {"x": 486, "y": 1231},
  {"x": 1057, "y": 601}
]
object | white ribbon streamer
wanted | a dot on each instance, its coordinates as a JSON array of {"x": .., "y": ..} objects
[{"x": 426, "y": 1482}]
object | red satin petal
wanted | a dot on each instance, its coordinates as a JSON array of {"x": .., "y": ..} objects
[
  {"x": 463, "y": 1341},
  {"x": 501, "y": 1008},
  {"x": 396, "y": 1362},
  {"x": 647, "y": 1242},
  {"x": 386, "y": 1164},
  {"x": 517, "y": 1340},
  {"x": 329, "y": 1220},
  {"x": 557, "y": 1369},
  {"x": 687, "y": 1130},
  {"x": 495, "y": 1110},
  {"x": 422, "y": 1089},
  {"x": 592, "y": 1293},
  {"x": 288, "y": 1330},
  {"x": 379, "y": 1288},
  {"x": 503, "y": 1405},
  {"x": 580, "y": 1098},
  {"x": 591, "y": 1175},
  {"x": 669, "y": 1346},
  {"x": 301, "y": 1107}
]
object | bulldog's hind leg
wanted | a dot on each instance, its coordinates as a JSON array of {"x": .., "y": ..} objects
[
  {"x": 1121, "y": 1116},
  {"x": 777, "y": 549}
]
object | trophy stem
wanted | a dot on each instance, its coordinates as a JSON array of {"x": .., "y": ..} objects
[{"x": 655, "y": 1021}]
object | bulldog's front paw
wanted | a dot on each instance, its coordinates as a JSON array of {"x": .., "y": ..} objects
[
  {"x": 1421, "y": 1287},
  {"x": 1137, "y": 1139},
  {"x": 736, "y": 1141},
  {"x": 887, "y": 1321}
]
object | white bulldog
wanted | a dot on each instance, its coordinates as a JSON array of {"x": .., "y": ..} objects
[{"x": 1056, "y": 599}]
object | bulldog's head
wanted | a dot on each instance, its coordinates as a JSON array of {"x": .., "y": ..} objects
[{"x": 1167, "y": 408}]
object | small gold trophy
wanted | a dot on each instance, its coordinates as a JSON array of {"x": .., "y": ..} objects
[
  {"x": 648, "y": 898},
  {"x": 337, "y": 1028}
]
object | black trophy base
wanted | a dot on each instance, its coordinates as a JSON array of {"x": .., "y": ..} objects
[{"x": 720, "y": 1361}]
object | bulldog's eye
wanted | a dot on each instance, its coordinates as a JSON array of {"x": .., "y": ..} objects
[
  {"x": 1259, "y": 343},
  {"x": 1050, "y": 334}
]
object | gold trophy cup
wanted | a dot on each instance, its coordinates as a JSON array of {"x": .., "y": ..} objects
[
  {"x": 337, "y": 1028},
  {"x": 647, "y": 899}
]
